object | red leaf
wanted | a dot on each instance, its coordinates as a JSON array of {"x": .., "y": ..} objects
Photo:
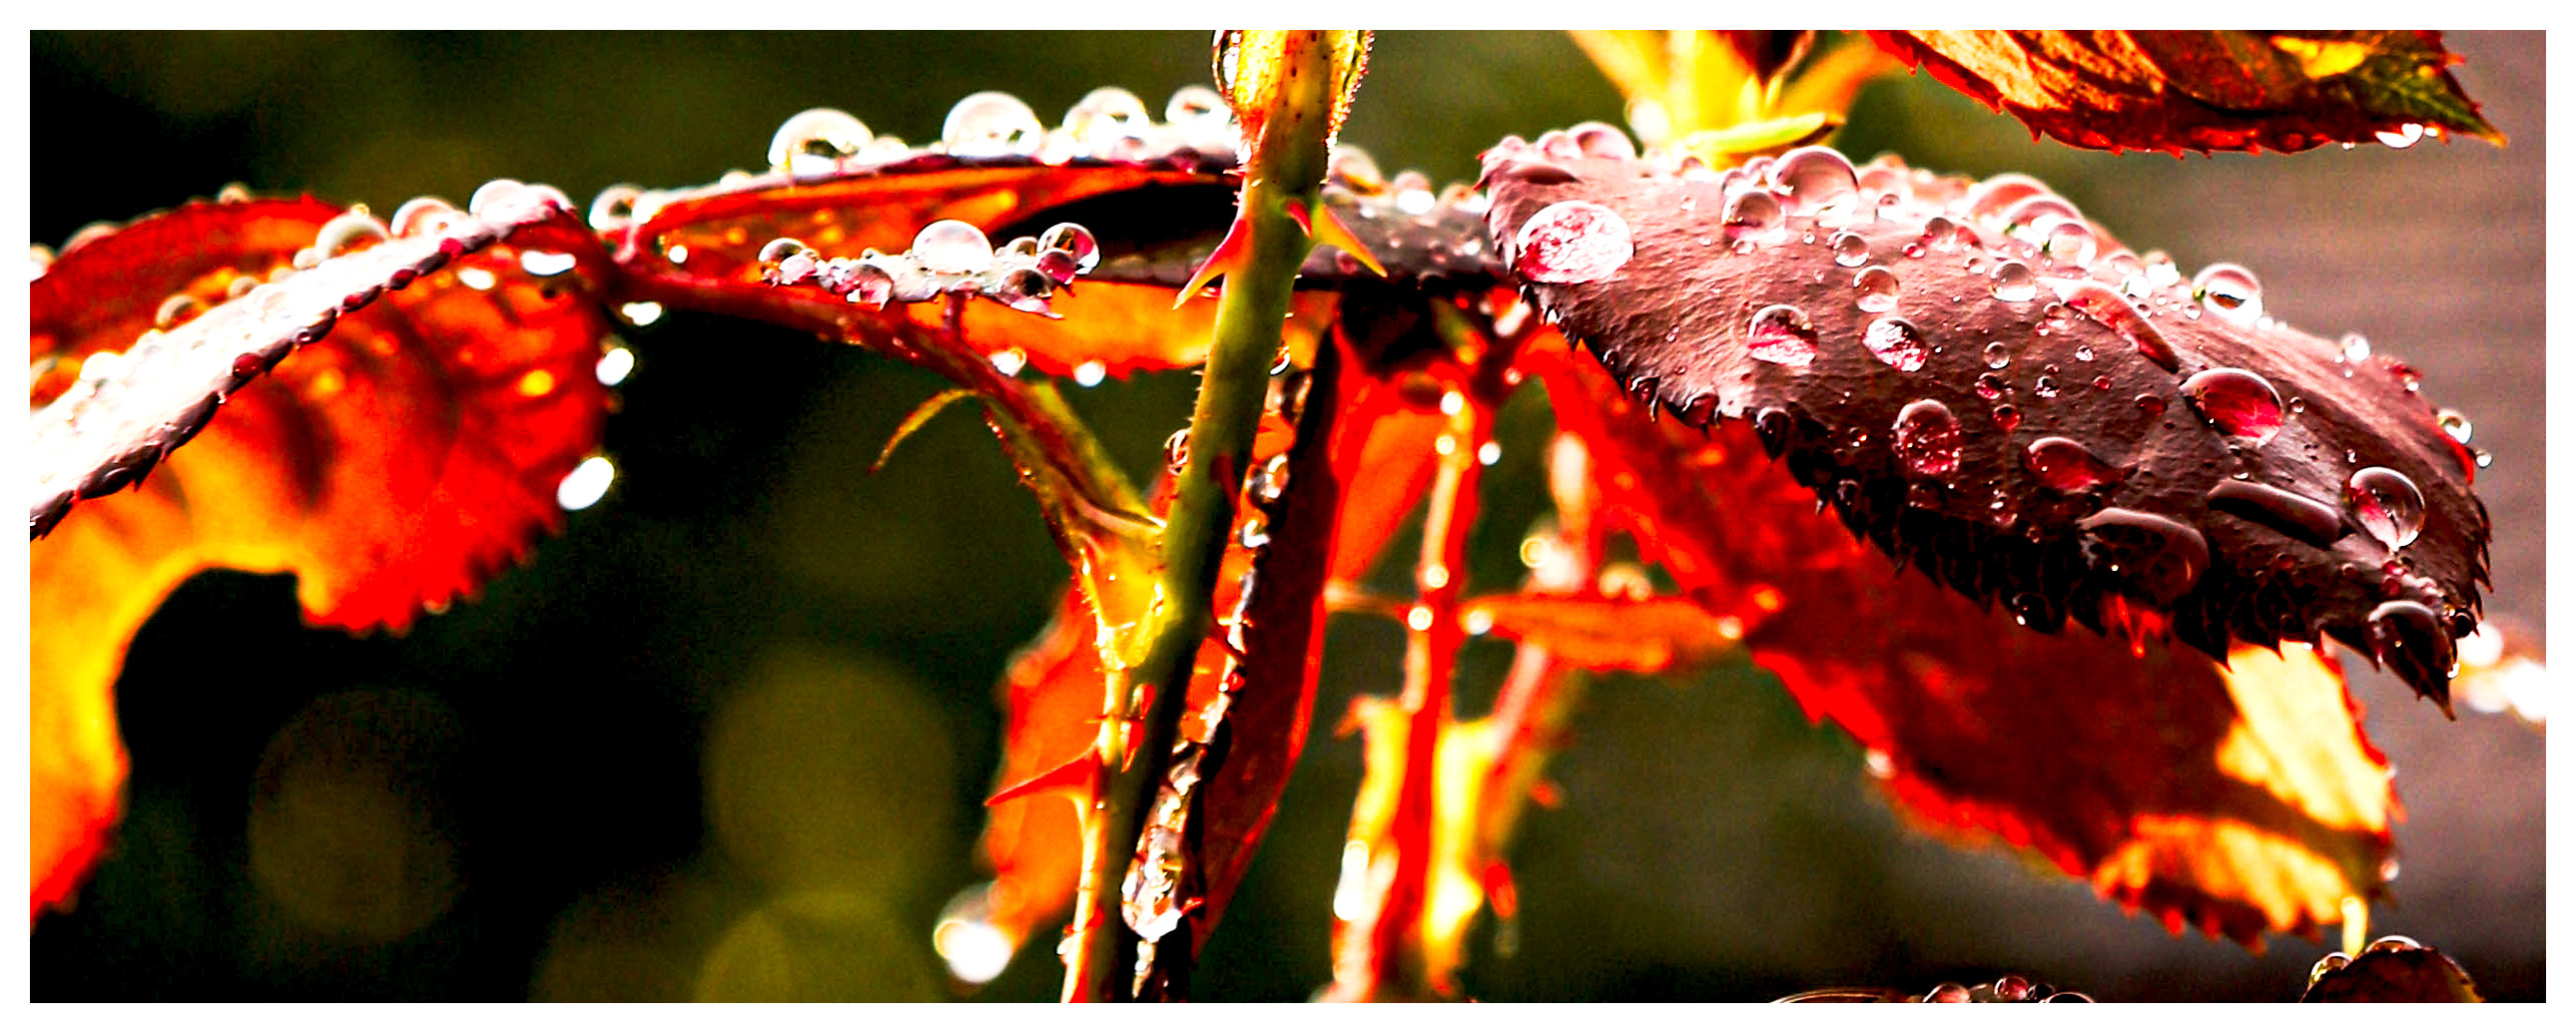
[
  {"x": 2392, "y": 970},
  {"x": 1998, "y": 413},
  {"x": 1660, "y": 635},
  {"x": 2238, "y": 801},
  {"x": 396, "y": 463},
  {"x": 2204, "y": 90}
]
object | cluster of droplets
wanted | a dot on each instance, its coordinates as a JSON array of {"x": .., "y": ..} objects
[
  {"x": 946, "y": 257},
  {"x": 1107, "y": 124}
]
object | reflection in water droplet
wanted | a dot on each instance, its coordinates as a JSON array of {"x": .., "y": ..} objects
[
  {"x": 1850, "y": 251},
  {"x": 1877, "y": 287},
  {"x": 1781, "y": 334},
  {"x": 586, "y": 484},
  {"x": 2386, "y": 504},
  {"x": 1997, "y": 355},
  {"x": 1926, "y": 438},
  {"x": 2162, "y": 557},
  {"x": 1812, "y": 178},
  {"x": 2012, "y": 281},
  {"x": 1572, "y": 242},
  {"x": 953, "y": 248},
  {"x": 2071, "y": 242},
  {"x": 2065, "y": 465},
  {"x": 1074, "y": 240},
  {"x": 1896, "y": 342},
  {"x": 1941, "y": 234},
  {"x": 1752, "y": 215},
  {"x": 2229, "y": 290},
  {"x": 813, "y": 142},
  {"x": 2007, "y": 417},
  {"x": 992, "y": 124},
  {"x": 2407, "y": 637},
  {"x": 2454, "y": 423},
  {"x": 2240, "y": 402},
  {"x": 1991, "y": 387}
]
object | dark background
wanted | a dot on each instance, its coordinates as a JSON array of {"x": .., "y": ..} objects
[{"x": 728, "y": 736}]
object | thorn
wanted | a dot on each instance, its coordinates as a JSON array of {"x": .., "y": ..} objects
[
  {"x": 1297, "y": 214},
  {"x": 1330, "y": 230},
  {"x": 1229, "y": 255},
  {"x": 1073, "y": 778}
]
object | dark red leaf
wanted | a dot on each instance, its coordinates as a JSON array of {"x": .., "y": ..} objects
[
  {"x": 2392, "y": 970},
  {"x": 1963, "y": 378},
  {"x": 2205, "y": 90}
]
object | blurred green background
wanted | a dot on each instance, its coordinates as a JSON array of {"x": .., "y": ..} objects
[{"x": 727, "y": 737}]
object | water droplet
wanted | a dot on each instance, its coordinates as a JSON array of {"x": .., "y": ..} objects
[
  {"x": 992, "y": 124},
  {"x": 1947, "y": 993},
  {"x": 1850, "y": 251},
  {"x": 1196, "y": 107},
  {"x": 1896, "y": 342},
  {"x": 1008, "y": 361},
  {"x": 2106, "y": 307},
  {"x": 2162, "y": 557},
  {"x": 1941, "y": 234},
  {"x": 1997, "y": 355},
  {"x": 1989, "y": 198},
  {"x": 614, "y": 366},
  {"x": 1176, "y": 451},
  {"x": 2407, "y": 637},
  {"x": 2240, "y": 402},
  {"x": 2007, "y": 417},
  {"x": 813, "y": 142},
  {"x": 2071, "y": 242},
  {"x": 2033, "y": 216},
  {"x": 2329, "y": 963},
  {"x": 586, "y": 484},
  {"x": 1024, "y": 289},
  {"x": 1812, "y": 178},
  {"x": 2229, "y": 290},
  {"x": 1991, "y": 387},
  {"x": 1926, "y": 438},
  {"x": 778, "y": 250},
  {"x": 867, "y": 283},
  {"x": 423, "y": 215},
  {"x": 1781, "y": 334},
  {"x": 1603, "y": 140},
  {"x": 545, "y": 263},
  {"x": 2286, "y": 511},
  {"x": 489, "y": 198},
  {"x": 1572, "y": 242},
  {"x": 1752, "y": 215},
  {"x": 2355, "y": 347},
  {"x": 953, "y": 248},
  {"x": 2067, "y": 997},
  {"x": 1106, "y": 117},
  {"x": 1878, "y": 288},
  {"x": 1091, "y": 373},
  {"x": 2065, "y": 465},
  {"x": 2402, "y": 137},
  {"x": 2454, "y": 423},
  {"x": 341, "y": 235},
  {"x": 2013, "y": 282},
  {"x": 2386, "y": 504},
  {"x": 614, "y": 207},
  {"x": 177, "y": 309},
  {"x": 1073, "y": 240}
]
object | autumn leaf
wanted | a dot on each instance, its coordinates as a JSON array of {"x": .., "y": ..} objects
[
  {"x": 1658, "y": 635},
  {"x": 409, "y": 449},
  {"x": 2224, "y": 90},
  {"x": 1989, "y": 388}
]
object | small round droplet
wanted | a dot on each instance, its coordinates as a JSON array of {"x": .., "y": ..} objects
[
  {"x": 2229, "y": 290},
  {"x": 1896, "y": 342},
  {"x": 1196, "y": 107},
  {"x": 778, "y": 250},
  {"x": 2454, "y": 423},
  {"x": 586, "y": 484},
  {"x": 2386, "y": 504},
  {"x": 992, "y": 124},
  {"x": 1877, "y": 287},
  {"x": 1926, "y": 438},
  {"x": 1781, "y": 334},
  {"x": 1998, "y": 355},
  {"x": 1850, "y": 251},
  {"x": 2012, "y": 988},
  {"x": 2013, "y": 282},
  {"x": 2065, "y": 465},
  {"x": 2071, "y": 242},
  {"x": 2401, "y": 137},
  {"x": 868, "y": 284},
  {"x": 1813, "y": 178},
  {"x": 1995, "y": 194},
  {"x": 2330, "y": 963},
  {"x": 1024, "y": 289},
  {"x": 614, "y": 207},
  {"x": 1074, "y": 240},
  {"x": 2239, "y": 402},
  {"x": 1991, "y": 387},
  {"x": 2007, "y": 416},
  {"x": 1752, "y": 215},
  {"x": 815, "y": 141},
  {"x": 1106, "y": 116},
  {"x": 1572, "y": 242},
  {"x": 2356, "y": 348},
  {"x": 953, "y": 248},
  {"x": 2083, "y": 353},
  {"x": 177, "y": 309},
  {"x": 2044, "y": 387},
  {"x": 1603, "y": 140},
  {"x": 423, "y": 215},
  {"x": 342, "y": 234},
  {"x": 1942, "y": 234}
]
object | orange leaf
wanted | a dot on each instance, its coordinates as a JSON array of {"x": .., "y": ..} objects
[
  {"x": 1660, "y": 635},
  {"x": 396, "y": 463}
]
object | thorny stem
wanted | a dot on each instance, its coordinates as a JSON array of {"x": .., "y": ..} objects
[{"x": 1287, "y": 164}]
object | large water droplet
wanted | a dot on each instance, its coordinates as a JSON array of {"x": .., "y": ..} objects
[
  {"x": 1781, "y": 334},
  {"x": 869, "y": 284},
  {"x": 1812, "y": 178},
  {"x": 1896, "y": 342},
  {"x": 1926, "y": 438},
  {"x": 1572, "y": 242},
  {"x": 2229, "y": 290},
  {"x": 2159, "y": 556},
  {"x": 992, "y": 124},
  {"x": 1753, "y": 214},
  {"x": 1025, "y": 289},
  {"x": 2407, "y": 637},
  {"x": 423, "y": 215},
  {"x": 1991, "y": 197},
  {"x": 2454, "y": 423},
  {"x": 2032, "y": 217},
  {"x": 2386, "y": 504},
  {"x": 1197, "y": 107},
  {"x": 953, "y": 248},
  {"x": 2013, "y": 282},
  {"x": 1073, "y": 240},
  {"x": 342, "y": 234},
  {"x": 2240, "y": 402},
  {"x": 2072, "y": 242},
  {"x": 813, "y": 142},
  {"x": 1877, "y": 287},
  {"x": 1106, "y": 116},
  {"x": 2105, "y": 306},
  {"x": 2286, "y": 511},
  {"x": 2065, "y": 465},
  {"x": 1603, "y": 140},
  {"x": 1850, "y": 251}
]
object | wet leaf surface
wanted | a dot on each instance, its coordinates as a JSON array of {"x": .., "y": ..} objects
[
  {"x": 396, "y": 463},
  {"x": 2239, "y": 800},
  {"x": 2392, "y": 970},
  {"x": 2205, "y": 90},
  {"x": 1993, "y": 405}
]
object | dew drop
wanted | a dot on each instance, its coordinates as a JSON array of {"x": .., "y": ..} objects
[
  {"x": 1008, "y": 361},
  {"x": 1024, "y": 289},
  {"x": 1106, "y": 116},
  {"x": 1196, "y": 107},
  {"x": 2240, "y": 402},
  {"x": 2407, "y": 637},
  {"x": 341, "y": 235},
  {"x": 1850, "y": 251},
  {"x": 1991, "y": 387},
  {"x": 1073, "y": 240},
  {"x": 1091, "y": 373},
  {"x": 2330, "y": 963},
  {"x": 2286, "y": 511},
  {"x": 1812, "y": 178},
  {"x": 2034, "y": 215},
  {"x": 1572, "y": 242},
  {"x": 1990, "y": 197},
  {"x": 2013, "y": 282},
  {"x": 423, "y": 215},
  {"x": 177, "y": 309},
  {"x": 2401, "y": 137},
  {"x": 2106, "y": 307},
  {"x": 2007, "y": 417},
  {"x": 778, "y": 250},
  {"x": 2162, "y": 557},
  {"x": 2071, "y": 242},
  {"x": 1752, "y": 215},
  {"x": 1603, "y": 140},
  {"x": 2083, "y": 353},
  {"x": 953, "y": 248},
  {"x": 1997, "y": 355},
  {"x": 867, "y": 283},
  {"x": 2065, "y": 465},
  {"x": 2229, "y": 290},
  {"x": 1896, "y": 342},
  {"x": 2356, "y": 348},
  {"x": 1781, "y": 334},
  {"x": 586, "y": 484},
  {"x": 992, "y": 124},
  {"x": 2386, "y": 504},
  {"x": 2454, "y": 423},
  {"x": 1941, "y": 234},
  {"x": 1926, "y": 438},
  {"x": 815, "y": 141},
  {"x": 1877, "y": 287}
]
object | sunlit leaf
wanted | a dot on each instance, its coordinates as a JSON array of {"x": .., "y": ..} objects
[
  {"x": 1662, "y": 635},
  {"x": 2205, "y": 90},
  {"x": 1963, "y": 378},
  {"x": 394, "y": 464}
]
